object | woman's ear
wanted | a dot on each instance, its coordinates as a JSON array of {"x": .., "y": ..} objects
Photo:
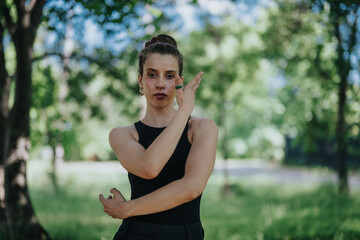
[
  {"x": 140, "y": 81},
  {"x": 141, "y": 85}
]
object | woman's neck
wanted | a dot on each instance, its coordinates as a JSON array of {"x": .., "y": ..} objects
[{"x": 158, "y": 117}]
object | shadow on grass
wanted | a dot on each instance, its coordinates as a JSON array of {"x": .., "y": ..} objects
[
  {"x": 72, "y": 216},
  {"x": 319, "y": 214},
  {"x": 281, "y": 212},
  {"x": 75, "y": 211}
]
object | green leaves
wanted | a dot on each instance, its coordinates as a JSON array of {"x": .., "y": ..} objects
[
  {"x": 302, "y": 42},
  {"x": 234, "y": 89},
  {"x": 90, "y": 83}
]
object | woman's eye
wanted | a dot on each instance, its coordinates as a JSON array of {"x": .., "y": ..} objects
[
  {"x": 151, "y": 75},
  {"x": 170, "y": 76}
]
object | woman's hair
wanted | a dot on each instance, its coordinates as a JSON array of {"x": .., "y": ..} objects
[{"x": 163, "y": 44}]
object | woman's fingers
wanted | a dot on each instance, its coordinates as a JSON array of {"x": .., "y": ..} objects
[
  {"x": 179, "y": 89},
  {"x": 178, "y": 82},
  {"x": 117, "y": 194},
  {"x": 185, "y": 95},
  {"x": 195, "y": 82},
  {"x": 101, "y": 198}
]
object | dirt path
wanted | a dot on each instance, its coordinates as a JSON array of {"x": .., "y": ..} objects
[{"x": 256, "y": 170}]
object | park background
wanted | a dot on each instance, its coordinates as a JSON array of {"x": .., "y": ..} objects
[{"x": 281, "y": 81}]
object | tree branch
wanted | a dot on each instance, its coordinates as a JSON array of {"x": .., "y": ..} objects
[
  {"x": 47, "y": 54},
  {"x": 74, "y": 55},
  {"x": 20, "y": 6},
  {"x": 5, "y": 79},
  {"x": 32, "y": 5},
  {"x": 9, "y": 22},
  {"x": 3, "y": 72},
  {"x": 35, "y": 9},
  {"x": 106, "y": 67}
]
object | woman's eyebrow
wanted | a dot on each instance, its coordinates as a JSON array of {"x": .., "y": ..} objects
[
  {"x": 151, "y": 69},
  {"x": 155, "y": 70}
]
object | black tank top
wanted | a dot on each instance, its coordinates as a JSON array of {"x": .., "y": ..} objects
[{"x": 174, "y": 169}]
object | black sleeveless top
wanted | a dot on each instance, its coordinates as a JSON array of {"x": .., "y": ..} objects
[{"x": 174, "y": 169}]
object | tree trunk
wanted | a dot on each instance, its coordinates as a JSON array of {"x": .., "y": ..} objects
[
  {"x": 23, "y": 221},
  {"x": 343, "y": 68},
  {"x": 340, "y": 138},
  {"x": 225, "y": 152},
  {"x": 55, "y": 162},
  {"x": 222, "y": 115},
  {"x": 4, "y": 114}
]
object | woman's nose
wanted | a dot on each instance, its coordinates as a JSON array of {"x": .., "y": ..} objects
[{"x": 160, "y": 83}]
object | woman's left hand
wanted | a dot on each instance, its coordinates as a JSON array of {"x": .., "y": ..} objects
[
  {"x": 114, "y": 206},
  {"x": 185, "y": 96}
]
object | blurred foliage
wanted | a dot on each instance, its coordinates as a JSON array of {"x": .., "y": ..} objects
[
  {"x": 309, "y": 93},
  {"x": 300, "y": 41},
  {"x": 234, "y": 89},
  {"x": 271, "y": 85},
  {"x": 81, "y": 92}
]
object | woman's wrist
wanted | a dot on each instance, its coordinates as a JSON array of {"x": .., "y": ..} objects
[
  {"x": 127, "y": 209},
  {"x": 185, "y": 110}
]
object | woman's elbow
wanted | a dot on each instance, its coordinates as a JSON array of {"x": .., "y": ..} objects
[
  {"x": 193, "y": 192},
  {"x": 150, "y": 172}
]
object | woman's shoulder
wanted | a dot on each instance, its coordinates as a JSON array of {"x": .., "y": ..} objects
[
  {"x": 202, "y": 122},
  {"x": 201, "y": 125},
  {"x": 126, "y": 132}
]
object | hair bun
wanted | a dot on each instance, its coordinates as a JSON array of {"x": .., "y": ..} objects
[{"x": 162, "y": 38}]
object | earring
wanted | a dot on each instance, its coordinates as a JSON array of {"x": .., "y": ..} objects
[{"x": 141, "y": 91}]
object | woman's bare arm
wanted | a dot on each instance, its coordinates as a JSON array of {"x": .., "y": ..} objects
[{"x": 199, "y": 165}]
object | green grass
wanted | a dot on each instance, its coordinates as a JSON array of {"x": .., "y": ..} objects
[{"x": 253, "y": 210}]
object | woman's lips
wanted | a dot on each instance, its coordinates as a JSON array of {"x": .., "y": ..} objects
[{"x": 160, "y": 95}]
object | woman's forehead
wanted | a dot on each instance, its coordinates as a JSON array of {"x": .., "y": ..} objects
[{"x": 161, "y": 62}]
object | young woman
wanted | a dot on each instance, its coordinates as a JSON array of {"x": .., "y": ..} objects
[{"x": 169, "y": 155}]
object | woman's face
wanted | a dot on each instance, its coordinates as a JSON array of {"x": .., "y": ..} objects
[{"x": 158, "y": 81}]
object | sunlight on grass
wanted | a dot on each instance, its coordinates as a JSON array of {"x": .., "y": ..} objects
[{"x": 251, "y": 211}]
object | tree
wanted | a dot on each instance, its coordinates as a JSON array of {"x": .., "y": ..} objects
[
  {"x": 4, "y": 114},
  {"x": 20, "y": 20},
  {"x": 307, "y": 90},
  {"x": 345, "y": 44},
  {"x": 103, "y": 65},
  {"x": 15, "y": 138},
  {"x": 317, "y": 77},
  {"x": 234, "y": 91}
]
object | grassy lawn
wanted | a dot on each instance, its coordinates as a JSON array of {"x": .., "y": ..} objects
[{"x": 252, "y": 211}]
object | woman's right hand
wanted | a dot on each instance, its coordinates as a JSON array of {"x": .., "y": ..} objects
[
  {"x": 185, "y": 97},
  {"x": 114, "y": 206}
]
